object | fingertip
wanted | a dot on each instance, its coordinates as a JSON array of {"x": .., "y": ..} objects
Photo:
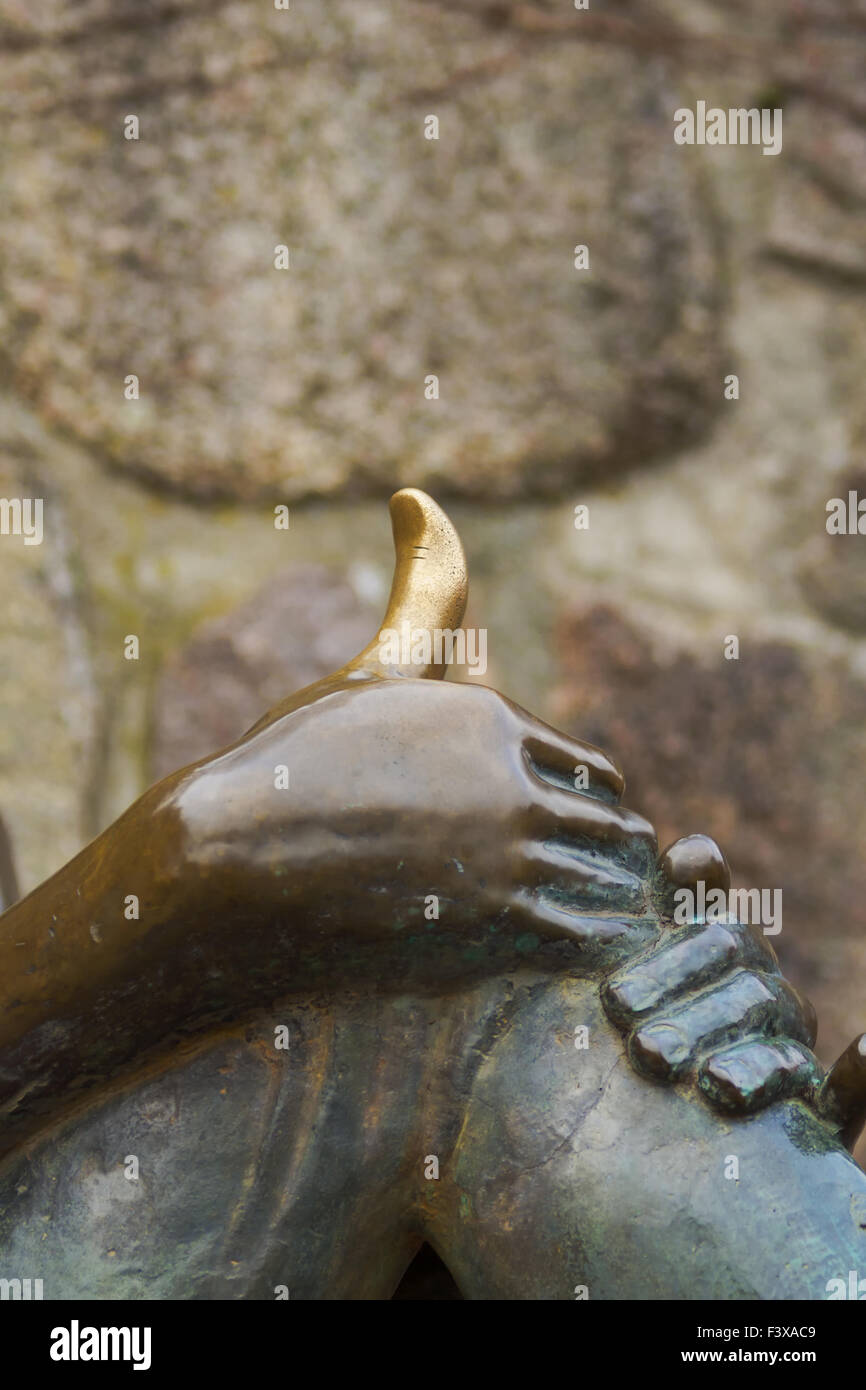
[
  {"x": 751, "y": 1074},
  {"x": 694, "y": 858},
  {"x": 428, "y": 593},
  {"x": 580, "y": 767},
  {"x": 660, "y": 1050}
]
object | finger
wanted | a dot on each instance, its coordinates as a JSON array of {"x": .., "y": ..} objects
[
  {"x": 585, "y": 880},
  {"x": 579, "y": 766},
  {"x": 842, "y": 1098},
  {"x": 552, "y": 921},
  {"x": 559, "y": 814},
  {"x": 754, "y": 1073},
  {"x": 749, "y": 1002},
  {"x": 428, "y": 593},
  {"x": 687, "y": 862},
  {"x": 685, "y": 961}
]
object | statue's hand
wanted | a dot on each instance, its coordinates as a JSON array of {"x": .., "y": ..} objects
[
  {"x": 709, "y": 1003},
  {"x": 356, "y": 808},
  {"x": 338, "y": 817},
  {"x": 356, "y": 802}
]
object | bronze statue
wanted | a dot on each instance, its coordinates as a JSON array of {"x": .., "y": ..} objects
[{"x": 241, "y": 1058}]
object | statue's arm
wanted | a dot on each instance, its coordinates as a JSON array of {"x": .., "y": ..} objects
[
  {"x": 307, "y": 855},
  {"x": 576, "y": 1177}
]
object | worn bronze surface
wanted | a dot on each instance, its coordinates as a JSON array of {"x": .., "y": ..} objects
[
  {"x": 457, "y": 1037},
  {"x": 400, "y": 787}
]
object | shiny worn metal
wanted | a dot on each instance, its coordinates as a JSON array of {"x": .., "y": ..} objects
[{"x": 385, "y": 971}]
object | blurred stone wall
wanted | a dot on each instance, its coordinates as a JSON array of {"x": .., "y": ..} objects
[{"x": 409, "y": 258}]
